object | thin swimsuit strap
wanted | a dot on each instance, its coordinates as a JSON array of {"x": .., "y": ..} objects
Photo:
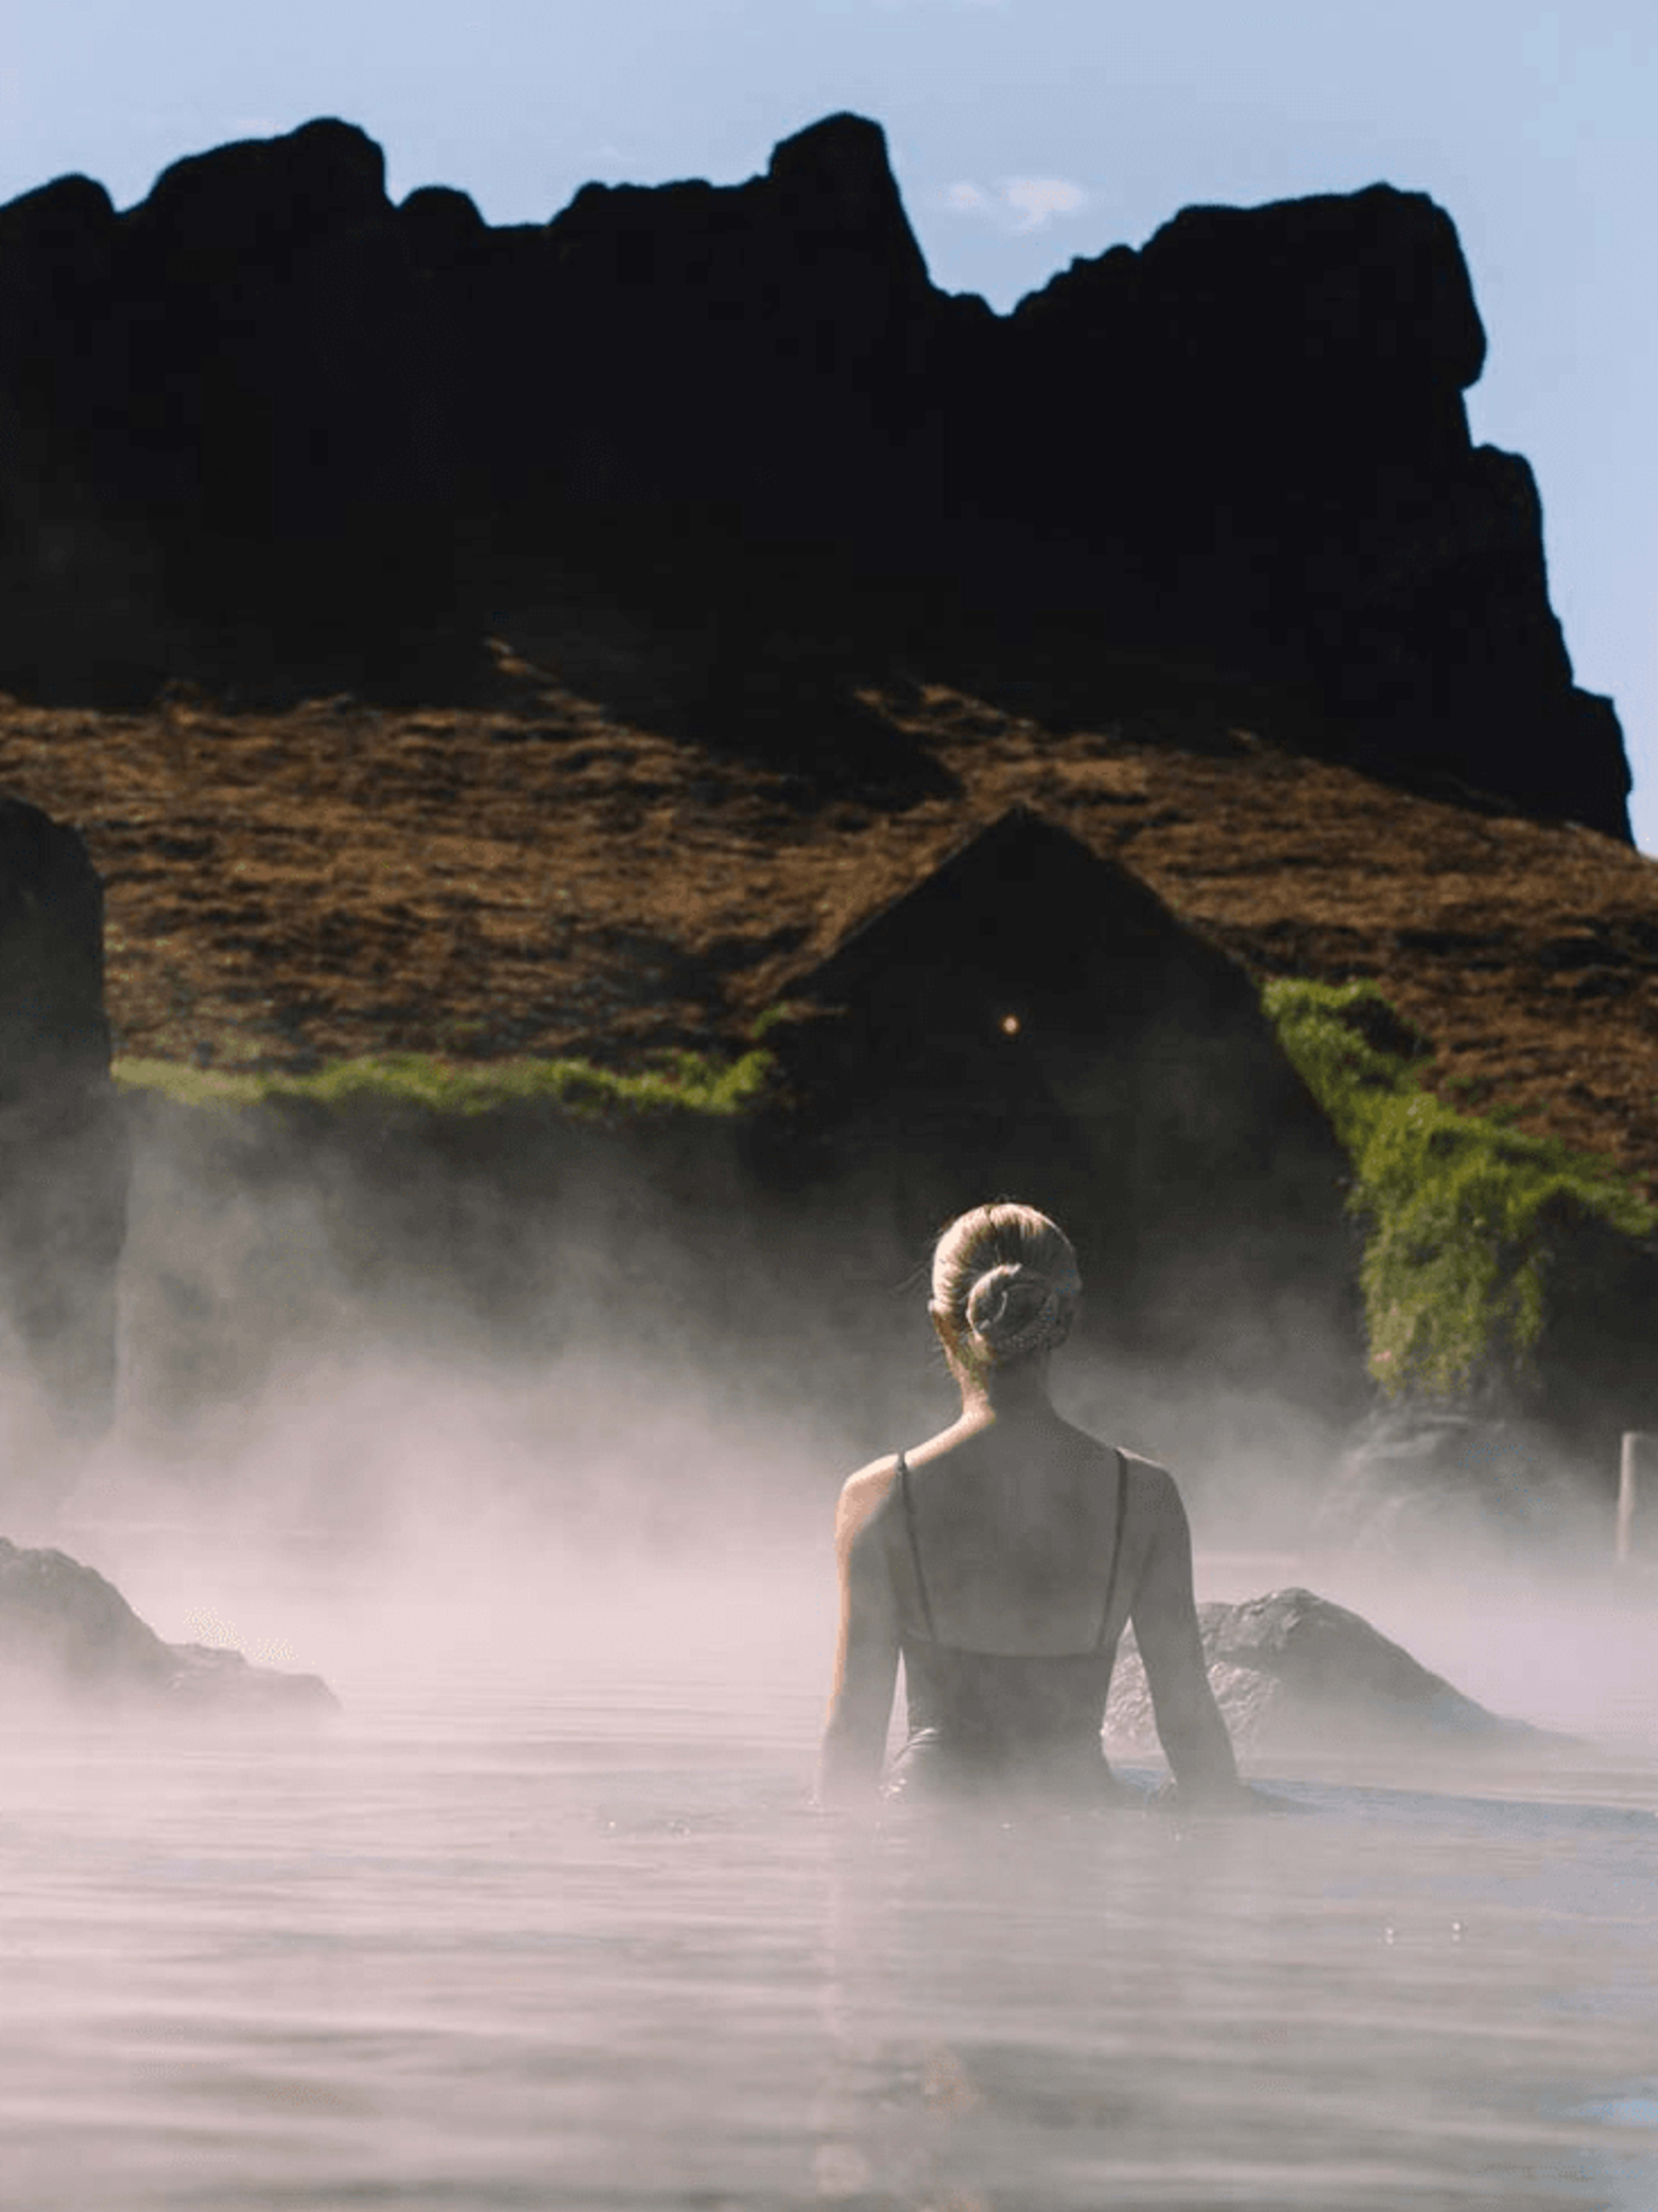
[
  {"x": 1116, "y": 1548},
  {"x": 915, "y": 1546}
]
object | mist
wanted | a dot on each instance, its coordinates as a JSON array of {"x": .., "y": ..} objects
[
  {"x": 403, "y": 1426},
  {"x": 549, "y": 1508}
]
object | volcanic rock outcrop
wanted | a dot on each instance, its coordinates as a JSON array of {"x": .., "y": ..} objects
[
  {"x": 63, "y": 1145},
  {"x": 1294, "y": 1673},
  {"x": 1033, "y": 1019},
  {"x": 66, "y": 1633},
  {"x": 267, "y": 425}
]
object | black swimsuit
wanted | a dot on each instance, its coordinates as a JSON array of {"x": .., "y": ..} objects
[{"x": 992, "y": 1717}]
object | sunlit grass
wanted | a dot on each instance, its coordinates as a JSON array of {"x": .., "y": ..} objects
[
  {"x": 1462, "y": 1213},
  {"x": 680, "y": 1083}
]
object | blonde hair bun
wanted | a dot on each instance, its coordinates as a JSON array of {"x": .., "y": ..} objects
[
  {"x": 1004, "y": 1283},
  {"x": 1013, "y": 1310}
]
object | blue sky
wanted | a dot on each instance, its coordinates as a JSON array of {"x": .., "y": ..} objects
[{"x": 1023, "y": 132}]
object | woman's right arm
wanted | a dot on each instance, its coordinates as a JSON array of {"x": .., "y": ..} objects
[
  {"x": 866, "y": 1650},
  {"x": 1165, "y": 1618}
]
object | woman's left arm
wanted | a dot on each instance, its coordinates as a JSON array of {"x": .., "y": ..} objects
[
  {"x": 866, "y": 1652},
  {"x": 1165, "y": 1617}
]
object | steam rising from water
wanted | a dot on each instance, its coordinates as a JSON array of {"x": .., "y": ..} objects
[
  {"x": 382, "y": 1518},
  {"x": 378, "y": 1420},
  {"x": 545, "y": 1918}
]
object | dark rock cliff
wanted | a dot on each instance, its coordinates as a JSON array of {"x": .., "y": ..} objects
[
  {"x": 1033, "y": 1018},
  {"x": 266, "y": 423},
  {"x": 63, "y": 1145}
]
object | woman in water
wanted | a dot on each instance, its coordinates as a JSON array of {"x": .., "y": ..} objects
[{"x": 1002, "y": 1559}]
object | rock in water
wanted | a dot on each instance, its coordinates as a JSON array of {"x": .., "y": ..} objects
[
  {"x": 1293, "y": 1673},
  {"x": 64, "y": 1632},
  {"x": 209, "y": 1677}
]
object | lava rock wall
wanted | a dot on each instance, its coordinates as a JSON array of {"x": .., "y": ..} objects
[
  {"x": 1032, "y": 1021},
  {"x": 63, "y": 1143}
]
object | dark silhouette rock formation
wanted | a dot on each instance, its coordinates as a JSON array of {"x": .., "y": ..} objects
[
  {"x": 1293, "y": 1673},
  {"x": 1265, "y": 408},
  {"x": 63, "y": 1148},
  {"x": 266, "y": 423},
  {"x": 65, "y": 1633},
  {"x": 1032, "y": 1020}
]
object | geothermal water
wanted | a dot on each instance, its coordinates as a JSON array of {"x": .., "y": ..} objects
[{"x": 544, "y": 1920}]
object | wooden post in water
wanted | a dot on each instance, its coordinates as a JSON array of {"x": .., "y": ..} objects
[{"x": 1636, "y": 1454}]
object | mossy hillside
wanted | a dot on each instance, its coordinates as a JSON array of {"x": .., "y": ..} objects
[
  {"x": 686, "y": 1083},
  {"x": 1462, "y": 1214}
]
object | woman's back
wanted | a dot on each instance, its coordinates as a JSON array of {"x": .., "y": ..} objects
[
  {"x": 1008, "y": 1537},
  {"x": 1009, "y": 1606},
  {"x": 1000, "y": 1560}
]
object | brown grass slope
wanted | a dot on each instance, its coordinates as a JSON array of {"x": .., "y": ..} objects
[{"x": 540, "y": 872}]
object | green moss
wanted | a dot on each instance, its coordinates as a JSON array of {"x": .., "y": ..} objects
[
  {"x": 1460, "y": 1212},
  {"x": 681, "y": 1083}
]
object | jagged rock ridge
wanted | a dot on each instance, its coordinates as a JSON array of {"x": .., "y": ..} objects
[{"x": 266, "y": 419}]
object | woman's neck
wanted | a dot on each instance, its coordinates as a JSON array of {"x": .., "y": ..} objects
[{"x": 1020, "y": 1393}]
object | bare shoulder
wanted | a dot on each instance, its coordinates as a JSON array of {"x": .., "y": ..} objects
[
  {"x": 1151, "y": 1488},
  {"x": 862, "y": 1497}
]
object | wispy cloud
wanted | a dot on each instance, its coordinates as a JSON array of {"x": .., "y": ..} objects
[
  {"x": 1036, "y": 200},
  {"x": 1017, "y": 204}
]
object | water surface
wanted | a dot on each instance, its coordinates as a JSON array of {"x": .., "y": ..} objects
[{"x": 525, "y": 1932}]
